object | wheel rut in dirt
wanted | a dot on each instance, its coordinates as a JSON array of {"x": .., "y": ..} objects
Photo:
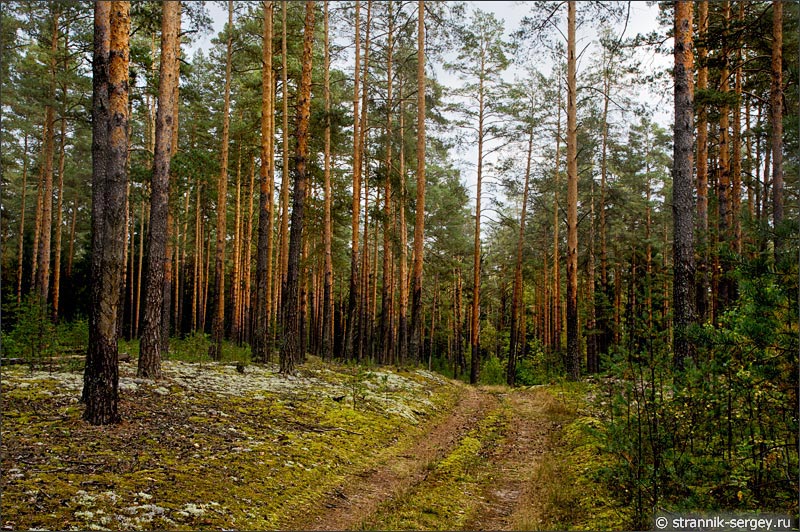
[
  {"x": 512, "y": 499},
  {"x": 348, "y": 505}
]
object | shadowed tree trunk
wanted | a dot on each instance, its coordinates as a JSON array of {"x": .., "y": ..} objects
[
  {"x": 152, "y": 329},
  {"x": 682, "y": 204},
  {"x": 21, "y": 234},
  {"x": 290, "y": 353},
  {"x": 776, "y": 117},
  {"x": 109, "y": 155}
]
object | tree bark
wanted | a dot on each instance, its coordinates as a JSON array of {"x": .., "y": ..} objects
[
  {"x": 109, "y": 156},
  {"x": 702, "y": 167},
  {"x": 290, "y": 353},
  {"x": 260, "y": 341},
  {"x": 573, "y": 342},
  {"x": 149, "y": 365},
  {"x": 683, "y": 252},
  {"x": 388, "y": 225}
]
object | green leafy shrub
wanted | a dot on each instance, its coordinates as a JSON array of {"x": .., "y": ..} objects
[{"x": 493, "y": 371}]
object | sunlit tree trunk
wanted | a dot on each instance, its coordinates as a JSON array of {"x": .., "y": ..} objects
[
  {"x": 171, "y": 274},
  {"x": 573, "y": 342},
  {"x": 109, "y": 156},
  {"x": 350, "y": 346}
]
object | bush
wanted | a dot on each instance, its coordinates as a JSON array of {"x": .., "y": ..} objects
[
  {"x": 492, "y": 372},
  {"x": 33, "y": 337}
]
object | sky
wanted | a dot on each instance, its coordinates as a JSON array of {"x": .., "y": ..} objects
[{"x": 643, "y": 19}]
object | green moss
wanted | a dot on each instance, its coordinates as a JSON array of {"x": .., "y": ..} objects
[
  {"x": 445, "y": 500},
  {"x": 206, "y": 460}
]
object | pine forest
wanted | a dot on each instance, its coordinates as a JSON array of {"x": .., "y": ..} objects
[{"x": 399, "y": 265}]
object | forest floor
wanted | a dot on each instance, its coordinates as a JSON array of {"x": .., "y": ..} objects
[{"x": 334, "y": 448}]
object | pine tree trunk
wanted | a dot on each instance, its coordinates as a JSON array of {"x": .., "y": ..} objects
[
  {"x": 149, "y": 365},
  {"x": 265, "y": 217},
  {"x": 402, "y": 281},
  {"x": 724, "y": 183},
  {"x": 419, "y": 224},
  {"x": 109, "y": 156},
  {"x": 702, "y": 167},
  {"x": 556, "y": 320},
  {"x": 170, "y": 274},
  {"x": 139, "y": 270},
  {"x": 43, "y": 254},
  {"x": 573, "y": 342},
  {"x": 290, "y": 353},
  {"x": 683, "y": 252},
  {"x": 284, "y": 233},
  {"x": 72, "y": 225},
  {"x": 218, "y": 327},
  {"x": 237, "y": 250},
  {"x": 776, "y": 117},
  {"x": 61, "y": 160}
]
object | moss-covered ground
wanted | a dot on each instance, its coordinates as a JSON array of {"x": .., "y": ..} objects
[
  {"x": 205, "y": 447},
  {"x": 227, "y": 446}
]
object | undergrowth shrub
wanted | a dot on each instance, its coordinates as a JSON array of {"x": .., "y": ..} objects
[{"x": 723, "y": 434}]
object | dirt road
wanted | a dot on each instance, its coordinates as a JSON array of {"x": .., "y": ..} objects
[{"x": 473, "y": 470}]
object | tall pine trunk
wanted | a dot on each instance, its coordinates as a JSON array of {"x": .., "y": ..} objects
[
  {"x": 291, "y": 351},
  {"x": 109, "y": 155},
  {"x": 573, "y": 342},
  {"x": 682, "y": 204},
  {"x": 149, "y": 365}
]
